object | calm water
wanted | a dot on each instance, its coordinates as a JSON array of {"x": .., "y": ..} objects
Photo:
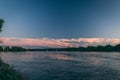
[{"x": 66, "y": 65}]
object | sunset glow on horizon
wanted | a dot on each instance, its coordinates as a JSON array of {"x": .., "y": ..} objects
[{"x": 59, "y": 43}]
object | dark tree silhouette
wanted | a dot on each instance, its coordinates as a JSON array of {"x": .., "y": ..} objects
[
  {"x": 1, "y": 24},
  {"x": 117, "y": 47},
  {"x": 17, "y": 49}
]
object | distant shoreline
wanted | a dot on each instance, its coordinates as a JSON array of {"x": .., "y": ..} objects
[{"x": 99, "y": 48}]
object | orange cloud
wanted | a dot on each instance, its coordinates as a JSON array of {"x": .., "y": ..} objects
[{"x": 46, "y": 42}]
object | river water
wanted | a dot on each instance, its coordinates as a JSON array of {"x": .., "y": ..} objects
[{"x": 65, "y": 65}]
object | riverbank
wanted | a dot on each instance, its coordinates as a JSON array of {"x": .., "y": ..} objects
[{"x": 9, "y": 73}]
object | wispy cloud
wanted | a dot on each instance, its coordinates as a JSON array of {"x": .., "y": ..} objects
[{"x": 46, "y": 42}]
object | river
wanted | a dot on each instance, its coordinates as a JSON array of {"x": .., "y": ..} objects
[{"x": 65, "y": 65}]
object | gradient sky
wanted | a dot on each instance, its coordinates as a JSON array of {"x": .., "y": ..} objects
[
  {"x": 56, "y": 21},
  {"x": 60, "y": 18}
]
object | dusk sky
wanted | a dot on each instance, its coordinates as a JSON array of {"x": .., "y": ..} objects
[{"x": 60, "y": 19}]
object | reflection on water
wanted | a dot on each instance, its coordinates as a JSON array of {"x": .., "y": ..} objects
[
  {"x": 56, "y": 56},
  {"x": 96, "y": 61},
  {"x": 66, "y": 65}
]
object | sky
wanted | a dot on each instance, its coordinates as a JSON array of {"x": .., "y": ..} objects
[{"x": 58, "y": 20}]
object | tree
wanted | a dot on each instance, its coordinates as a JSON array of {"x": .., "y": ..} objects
[
  {"x": 17, "y": 48},
  {"x": 1, "y": 48},
  {"x": 7, "y": 48},
  {"x": 108, "y": 48},
  {"x": 1, "y": 24},
  {"x": 117, "y": 47}
]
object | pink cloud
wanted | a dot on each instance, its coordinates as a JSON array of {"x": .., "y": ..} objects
[
  {"x": 34, "y": 42},
  {"x": 46, "y": 42}
]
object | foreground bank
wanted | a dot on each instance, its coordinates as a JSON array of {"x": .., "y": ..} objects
[{"x": 9, "y": 73}]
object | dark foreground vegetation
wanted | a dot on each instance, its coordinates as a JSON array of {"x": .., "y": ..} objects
[
  {"x": 100, "y": 48},
  {"x": 9, "y": 73}
]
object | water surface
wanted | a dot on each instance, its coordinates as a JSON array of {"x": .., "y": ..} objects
[{"x": 66, "y": 65}]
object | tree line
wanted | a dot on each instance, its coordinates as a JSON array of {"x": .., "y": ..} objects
[
  {"x": 96, "y": 48},
  {"x": 12, "y": 48},
  {"x": 99, "y": 48}
]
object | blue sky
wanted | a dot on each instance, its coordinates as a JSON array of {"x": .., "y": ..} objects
[{"x": 60, "y": 18}]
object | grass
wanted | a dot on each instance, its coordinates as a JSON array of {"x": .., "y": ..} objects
[{"x": 9, "y": 73}]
